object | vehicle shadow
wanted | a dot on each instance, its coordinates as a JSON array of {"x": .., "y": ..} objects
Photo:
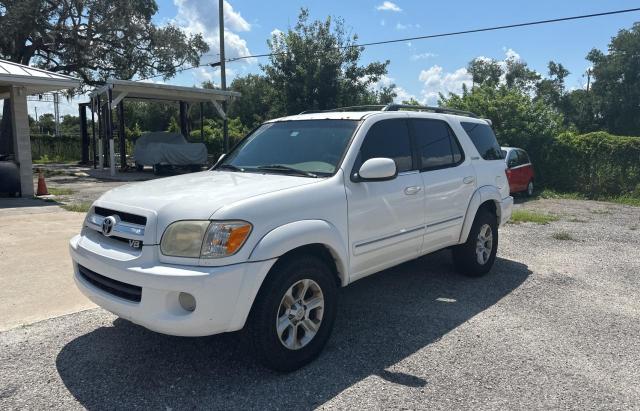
[{"x": 381, "y": 320}]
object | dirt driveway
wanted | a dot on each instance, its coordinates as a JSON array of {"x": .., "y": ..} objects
[{"x": 555, "y": 325}]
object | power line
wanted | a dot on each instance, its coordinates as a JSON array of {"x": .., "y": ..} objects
[{"x": 432, "y": 36}]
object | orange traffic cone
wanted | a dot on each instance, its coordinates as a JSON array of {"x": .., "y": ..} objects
[{"x": 42, "y": 186}]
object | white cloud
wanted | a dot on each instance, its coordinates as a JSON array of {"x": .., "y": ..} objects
[
  {"x": 436, "y": 81},
  {"x": 276, "y": 32},
  {"x": 202, "y": 74},
  {"x": 389, "y": 6},
  {"x": 422, "y": 56},
  {"x": 400, "y": 26},
  {"x": 511, "y": 54},
  {"x": 401, "y": 93},
  {"x": 382, "y": 22},
  {"x": 199, "y": 17}
]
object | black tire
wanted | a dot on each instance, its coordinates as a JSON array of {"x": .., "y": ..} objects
[
  {"x": 529, "y": 190},
  {"x": 465, "y": 258},
  {"x": 139, "y": 167},
  {"x": 158, "y": 169},
  {"x": 261, "y": 333}
]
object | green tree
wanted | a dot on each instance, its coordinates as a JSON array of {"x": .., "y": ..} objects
[
  {"x": 616, "y": 85},
  {"x": 47, "y": 123},
  {"x": 315, "y": 65},
  {"x": 257, "y": 102},
  {"x": 552, "y": 89},
  {"x": 484, "y": 72},
  {"x": 92, "y": 39}
]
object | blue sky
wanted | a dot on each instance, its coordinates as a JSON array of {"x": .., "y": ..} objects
[{"x": 419, "y": 68}]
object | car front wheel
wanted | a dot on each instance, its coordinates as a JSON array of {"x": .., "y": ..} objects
[{"x": 293, "y": 314}]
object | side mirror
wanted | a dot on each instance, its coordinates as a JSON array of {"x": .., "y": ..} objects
[{"x": 377, "y": 169}]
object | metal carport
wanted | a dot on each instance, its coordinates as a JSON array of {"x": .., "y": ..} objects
[
  {"x": 112, "y": 95},
  {"x": 17, "y": 81}
]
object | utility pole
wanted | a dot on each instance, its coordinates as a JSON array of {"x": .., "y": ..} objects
[
  {"x": 56, "y": 112},
  {"x": 223, "y": 76}
]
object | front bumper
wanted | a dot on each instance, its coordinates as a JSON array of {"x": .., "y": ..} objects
[
  {"x": 506, "y": 208},
  {"x": 224, "y": 295}
]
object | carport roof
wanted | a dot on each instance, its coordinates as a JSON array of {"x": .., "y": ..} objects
[
  {"x": 35, "y": 80},
  {"x": 152, "y": 91}
]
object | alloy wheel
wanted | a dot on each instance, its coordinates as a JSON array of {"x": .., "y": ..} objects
[
  {"x": 300, "y": 314},
  {"x": 484, "y": 244}
]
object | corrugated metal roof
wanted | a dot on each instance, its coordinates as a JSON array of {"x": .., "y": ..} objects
[
  {"x": 9, "y": 67},
  {"x": 34, "y": 79}
]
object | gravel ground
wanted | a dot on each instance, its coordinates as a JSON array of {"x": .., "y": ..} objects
[{"x": 556, "y": 324}]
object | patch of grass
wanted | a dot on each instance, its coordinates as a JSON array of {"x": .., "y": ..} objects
[
  {"x": 563, "y": 236},
  {"x": 600, "y": 211},
  {"x": 577, "y": 220},
  {"x": 548, "y": 193},
  {"x": 45, "y": 159},
  {"x": 77, "y": 207},
  {"x": 57, "y": 191},
  {"x": 526, "y": 216},
  {"x": 626, "y": 199}
]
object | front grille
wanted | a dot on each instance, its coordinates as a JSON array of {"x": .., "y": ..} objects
[
  {"x": 127, "y": 217},
  {"x": 117, "y": 288}
]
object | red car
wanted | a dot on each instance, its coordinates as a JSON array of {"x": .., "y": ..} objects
[{"x": 519, "y": 170}]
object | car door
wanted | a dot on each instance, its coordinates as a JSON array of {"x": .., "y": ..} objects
[
  {"x": 449, "y": 181},
  {"x": 526, "y": 168},
  {"x": 386, "y": 218},
  {"x": 512, "y": 171}
]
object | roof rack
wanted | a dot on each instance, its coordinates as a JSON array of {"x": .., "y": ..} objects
[
  {"x": 395, "y": 107},
  {"x": 442, "y": 110},
  {"x": 369, "y": 107}
]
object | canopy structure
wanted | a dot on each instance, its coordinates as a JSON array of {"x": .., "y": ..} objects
[
  {"x": 112, "y": 95},
  {"x": 17, "y": 81}
]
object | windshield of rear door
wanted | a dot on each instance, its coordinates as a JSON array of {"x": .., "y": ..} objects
[{"x": 311, "y": 146}]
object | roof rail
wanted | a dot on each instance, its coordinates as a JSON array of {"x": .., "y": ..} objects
[
  {"x": 368, "y": 107},
  {"x": 442, "y": 110},
  {"x": 395, "y": 107}
]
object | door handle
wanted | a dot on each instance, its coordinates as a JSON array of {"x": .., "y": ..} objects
[
  {"x": 412, "y": 190},
  {"x": 468, "y": 179}
]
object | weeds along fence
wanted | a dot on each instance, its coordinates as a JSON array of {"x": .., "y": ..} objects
[
  {"x": 596, "y": 164},
  {"x": 52, "y": 148}
]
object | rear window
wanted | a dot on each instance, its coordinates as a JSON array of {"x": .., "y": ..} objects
[{"x": 483, "y": 138}]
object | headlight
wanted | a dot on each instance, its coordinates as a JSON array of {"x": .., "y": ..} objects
[
  {"x": 183, "y": 238},
  {"x": 205, "y": 239},
  {"x": 224, "y": 238}
]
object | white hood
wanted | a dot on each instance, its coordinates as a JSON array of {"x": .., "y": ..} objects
[{"x": 198, "y": 195}]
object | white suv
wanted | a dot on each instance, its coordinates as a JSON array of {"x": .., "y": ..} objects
[{"x": 303, "y": 205}]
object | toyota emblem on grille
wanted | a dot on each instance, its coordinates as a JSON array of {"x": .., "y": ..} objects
[{"x": 107, "y": 225}]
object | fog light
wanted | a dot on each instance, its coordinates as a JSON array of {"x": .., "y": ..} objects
[{"x": 187, "y": 301}]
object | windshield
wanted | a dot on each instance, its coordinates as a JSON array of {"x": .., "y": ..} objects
[{"x": 304, "y": 147}]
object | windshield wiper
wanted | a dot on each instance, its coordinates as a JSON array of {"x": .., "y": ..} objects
[
  {"x": 287, "y": 169},
  {"x": 229, "y": 167}
]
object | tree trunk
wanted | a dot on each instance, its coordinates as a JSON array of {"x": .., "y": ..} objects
[{"x": 6, "y": 131}]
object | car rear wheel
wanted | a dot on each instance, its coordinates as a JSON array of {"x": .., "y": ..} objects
[
  {"x": 293, "y": 315},
  {"x": 529, "y": 191},
  {"x": 476, "y": 256}
]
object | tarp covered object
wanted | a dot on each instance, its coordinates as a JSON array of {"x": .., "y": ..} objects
[{"x": 168, "y": 148}]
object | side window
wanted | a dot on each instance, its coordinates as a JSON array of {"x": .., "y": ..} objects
[
  {"x": 390, "y": 139},
  {"x": 512, "y": 160},
  {"x": 524, "y": 157},
  {"x": 436, "y": 144},
  {"x": 484, "y": 139}
]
